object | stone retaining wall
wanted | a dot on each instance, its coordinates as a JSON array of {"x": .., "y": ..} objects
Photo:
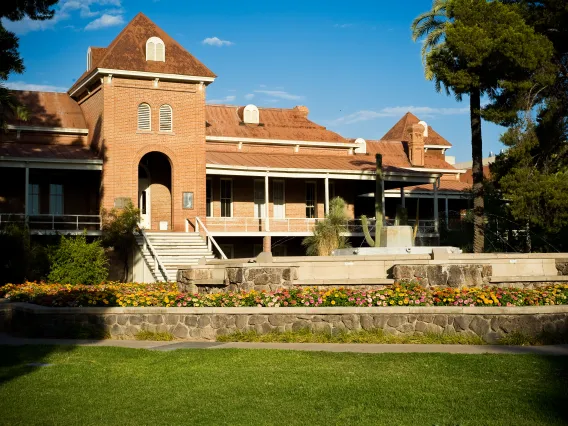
[{"x": 208, "y": 323}]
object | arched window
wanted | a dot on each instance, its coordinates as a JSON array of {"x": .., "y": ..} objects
[
  {"x": 144, "y": 117},
  {"x": 250, "y": 114},
  {"x": 155, "y": 50},
  {"x": 165, "y": 118}
]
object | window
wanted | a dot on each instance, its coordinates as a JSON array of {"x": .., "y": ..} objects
[
  {"x": 165, "y": 118},
  {"x": 311, "y": 199},
  {"x": 278, "y": 199},
  {"x": 209, "y": 198},
  {"x": 226, "y": 198},
  {"x": 250, "y": 115},
  {"x": 259, "y": 198},
  {"x": 33, "y": 198},
  {"x": 155, "y": 50},
  {"x": 144, "y": 117},
  {"x": 55, "y": 199}
]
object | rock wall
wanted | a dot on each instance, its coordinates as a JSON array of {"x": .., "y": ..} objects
[
  {"x": 208, "y": 323},
  {"x": 445, "y": 275}
]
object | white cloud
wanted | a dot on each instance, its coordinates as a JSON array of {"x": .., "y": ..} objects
[
  {"x": 423, "y": 112},
  {"x": 226, "y": 99},
  {"x": 249, "y": 96},
  {"x": 280, "y": 94},
  {"x": 104, "y": 22},
  {"x": 66, "y": 10},
  {"x": 21, "y": 85},
  {"x": 343, "y": 25},
  {"x": 216, "y": 41}
]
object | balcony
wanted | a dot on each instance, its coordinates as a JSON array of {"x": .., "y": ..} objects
[
  {"x": 227, "y": 226},
  {"x": 54, "y": 224}
]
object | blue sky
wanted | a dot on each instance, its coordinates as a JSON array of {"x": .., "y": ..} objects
[{"x": 353, "y": 64}]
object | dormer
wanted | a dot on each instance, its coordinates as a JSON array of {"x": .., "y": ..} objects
[
  {"x": 155, "y": 50},
  {"x": 251, "y": 115},
  {"x": 362, "y": 148}
]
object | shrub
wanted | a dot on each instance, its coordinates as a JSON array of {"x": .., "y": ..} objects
[
  {"x": 328, "y": 233},
  {"x": 118, "y": 228},
  {"x": 75, "y": 261}
]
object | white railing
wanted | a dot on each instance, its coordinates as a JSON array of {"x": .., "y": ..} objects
[
  {"x": 54, "y": 222},
  {"x": 158, "y": 265},
  {"x": 208, "y": 237},
  {"x": 249, "y": 224}
]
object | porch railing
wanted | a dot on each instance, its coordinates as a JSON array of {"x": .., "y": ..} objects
[
  {"x": 249, "y": 224},
  {"x": 208, "y": 237},
  {"x": 159, "y": 268},
  {"x": 54, "y": 222}
]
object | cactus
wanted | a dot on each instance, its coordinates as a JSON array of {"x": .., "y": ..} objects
[
  {"x": 376, "y": 242},
  {"x": 401, "y": 218}
]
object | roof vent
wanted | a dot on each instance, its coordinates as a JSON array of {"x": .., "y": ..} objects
[
  {"x": 425, "y": 128},
  {"x": 251, "y": 115},
  {"x": 362, "y": 148}
]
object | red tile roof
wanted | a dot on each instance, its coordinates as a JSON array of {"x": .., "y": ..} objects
[
  {"x": 49, "y": 109},
  {"x": 128, "y": 52},
  {"x": 399, "y": 132},
  {"x": 29, "y": 150},
  {"x": 275, "y": 123}
]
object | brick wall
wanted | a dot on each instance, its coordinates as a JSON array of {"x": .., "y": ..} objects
[{"x": 124, "y": 146}]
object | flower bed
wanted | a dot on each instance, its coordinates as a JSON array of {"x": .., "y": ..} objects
[{"x": 167, "y": 295}]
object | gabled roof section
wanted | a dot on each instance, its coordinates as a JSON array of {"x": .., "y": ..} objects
[
  {"x": 97, "y": 54},
  {"x": 128, "y": 52},
  {"x": 399, "y": 132},
  {"x": 275, "y": 123},
  {"x": 48, "y": 109},
  {"x": 395, "y": 153}
]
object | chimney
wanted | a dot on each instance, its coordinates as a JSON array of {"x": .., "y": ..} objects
[
  {"x": 303, "y": 110},
  {"x": 416, "y": 145}
]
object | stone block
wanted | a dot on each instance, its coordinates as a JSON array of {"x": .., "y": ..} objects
[
  {"x": 218, "y": 321},
  {"x": 462, "y": 322},
  {"x": 203, "y": 321},
  {"x": 154, "y": 319},
  {"x": 300, "y": 325},
  {"x": 257, "y": 319},
  {"x": 241, "y": 322},
  {"x": 135, "y": 319},
  {"x": 172, "y": 319},
  {"x": 395, "y": 321},
  {"x": 234, "y": 275},
  {"x": 437, "y": 275},
  {"x": 122, "y": 319},
  {"x": 110, "y": 319},
  {"x": 396, "y": 236},
  {"x": 351, "y": 322},
  {"x": 190, "y": 320},
  {"x": 278, "y": 320}
]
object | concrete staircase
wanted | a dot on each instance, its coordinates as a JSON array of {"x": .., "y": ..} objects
[{"x": 175, "y": 250}]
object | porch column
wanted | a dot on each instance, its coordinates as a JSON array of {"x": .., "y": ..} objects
[
  {"x": 267, "y": 240},
  {"x": 447, "y": 214},
  {"x": 27, "y": 193},
  {"x": 402, "y": 197},
  {"x": 383, "y": 196},
  {"x": 326, "y": 195},
  {"x": 436, "y": 218}
]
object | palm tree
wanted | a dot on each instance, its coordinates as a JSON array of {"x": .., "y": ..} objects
[
  {"x": 9, "y": 106},
  {"x": 430, "y": 26}
]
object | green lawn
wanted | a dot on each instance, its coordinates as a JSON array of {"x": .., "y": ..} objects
[{"x": 115, "y": 386}]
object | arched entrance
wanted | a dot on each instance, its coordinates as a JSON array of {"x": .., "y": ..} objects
[{"x": 155, "y": 191}]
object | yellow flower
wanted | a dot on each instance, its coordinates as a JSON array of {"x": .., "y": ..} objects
[{"x": 333, "y": 302}]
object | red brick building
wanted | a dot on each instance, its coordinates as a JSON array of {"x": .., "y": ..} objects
[{"x": 136, "y": 126}]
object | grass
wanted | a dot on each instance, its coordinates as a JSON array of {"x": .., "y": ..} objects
[
  {"x": 520, "y": 339},
  {"x": 361, "y": 336},
  {"x": 155, "y": 336},
  {"x": 118, "y": 386}
]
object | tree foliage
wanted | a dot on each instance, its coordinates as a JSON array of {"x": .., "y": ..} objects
[
  {"x": 21, "y": 258},
  {"x": 76, "y": 261},
  {"x": 328, "y": 233},
  {"x": 10, "y": 60},
  {"x": 492, "y": 57}
]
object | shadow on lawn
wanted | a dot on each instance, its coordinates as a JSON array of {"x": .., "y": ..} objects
[
  {"x": 20, "y": 360},
  {"x": 555, "y": 401}
]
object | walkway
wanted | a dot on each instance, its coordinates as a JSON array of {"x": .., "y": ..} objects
[{"x": 318, "y": 347}]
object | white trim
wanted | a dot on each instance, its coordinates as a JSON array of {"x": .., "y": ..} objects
[
  {"x": 50, "y": 163},
  {"x": 70, "y": 130},
  {"x": 258, "y": 204},
  {"x": 437, "y": 147},
  {"x": 454, "y": 195},
  {"x": 142, "y": 74},
  {"x": 283, "y": 181},
  {"x": 231, "y": 139},
  {"x": 443, "y": 171},
  {"x": 220, "y": 197},
  {"x": 225, "y": 170}
]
